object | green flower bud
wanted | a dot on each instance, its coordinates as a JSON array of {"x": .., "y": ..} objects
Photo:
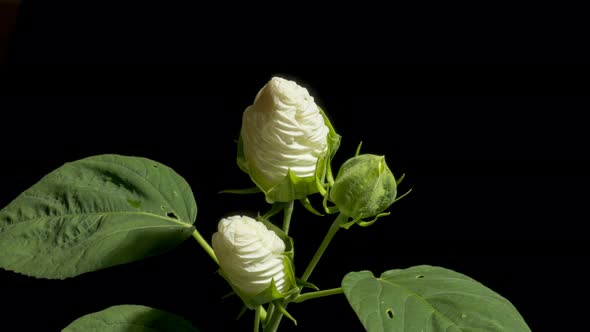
[
  {"x": 253, "y": 259},
  {"x": 285, "y": 142},
  {"x": 364, "y": 187}
]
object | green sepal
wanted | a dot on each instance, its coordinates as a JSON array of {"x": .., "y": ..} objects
[
  {"x": 371, "y": 222},
  {"x": 271, "y": 293},
  {"x": 232, "y": 293},
  {"x": 358, "y": 149},
  {"x": 307, "y": 205},
  {"x": 324, "y": 166},
  {"x": 291, "y": 188},
  {"x": 346, "y": 225},
  {"x": 362, "y": 223},
  {"x": 285, "y": 312},
  {"x": 402, "y": 196},
  {"x": 329, "y": 209},
  {"x": 274, "y": 209},
  {"x": 358, "y": 220},
  {"x": 241, "y": 159},
  {"x": 242, "y": 312},
  {"x": 306, "y": 284},
  {"x": 289, "y": 250},
  {"x": 244, "y": 191},
  {"x": 401, "y": 178}
]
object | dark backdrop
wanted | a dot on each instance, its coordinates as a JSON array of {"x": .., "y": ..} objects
[{"x": 496, "y": 155}]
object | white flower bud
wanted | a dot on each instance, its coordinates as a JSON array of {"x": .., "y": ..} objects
[
  {"x": 250, "y": 255},
  {"x": 283, "y": 130}
]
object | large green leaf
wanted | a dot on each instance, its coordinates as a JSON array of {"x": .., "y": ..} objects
[
  {"x": 130, "y": 318},
  {"x": 95, "y": 213},
  {"x": 428, "y": 298}
]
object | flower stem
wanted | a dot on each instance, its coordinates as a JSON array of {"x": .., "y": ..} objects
[
  {"x": 314, "y": 295},
  {"x": 274, "y": 321},
  {"x": 277, "y": 316},
  {"x": 287, "y": 217},
  {"x": 205, "y": 245},
  {"x": 318, "y": 254},
  {"x": 257, "y": 318}
]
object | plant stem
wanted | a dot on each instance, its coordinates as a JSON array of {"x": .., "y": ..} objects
[
  {"x": 318, "y": 254},
  {"x": 274, "y": 321},
  {"x": 205, "y": 245},
  {"x": 275, "y": 318},
  {"x": 269, "y": 314},
  {"x": 276, "y": 315},
  {"x": 287, "y": 217},
  {"x": 314, "y": 295},
  {"x": 257, "y": 318}
]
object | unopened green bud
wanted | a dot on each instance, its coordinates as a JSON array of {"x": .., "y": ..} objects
[{"x": 364, "y": 187}]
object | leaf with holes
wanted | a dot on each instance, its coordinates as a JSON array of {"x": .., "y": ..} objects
[
  {"x": 125, "y": 318},
  {"x": 428, "y": 299},
  {"x": 94, "y": 213}
]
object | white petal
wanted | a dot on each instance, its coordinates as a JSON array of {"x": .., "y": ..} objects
[
  {"x": 250, "y": 254},
  {"x": 283, "y": 130}
]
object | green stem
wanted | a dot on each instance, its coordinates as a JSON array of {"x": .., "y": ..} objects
[
  {"x": 318, "y": 254},
  {"x": 275, "y": 318},
  {"x": 287, "y": 217},
  {"x": 268, "y": 315},
  {"x": 314, "y": 295},
  {"x": 205, "y": 245},
  {"x": 274, "y": 321},
  {"x": 257, "y": 318}
]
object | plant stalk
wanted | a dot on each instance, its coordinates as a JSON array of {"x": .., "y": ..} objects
[
  {"x": 205, "y": 245},
  {"x": 276, "y": 317},
  {"x": 318, "y": 254},
  {"x": 257, "y": 318},
  {"x": 318, "y": 294}
]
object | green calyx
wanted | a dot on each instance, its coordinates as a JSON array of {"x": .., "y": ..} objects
[
  {"x": 364, "y": 188},
  {"x": 293, "y": 187}
]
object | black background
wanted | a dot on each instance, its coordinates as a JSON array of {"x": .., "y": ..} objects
[{"x": 496, "y": 155}]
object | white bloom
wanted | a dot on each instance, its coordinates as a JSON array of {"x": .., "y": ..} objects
[
  {"x": 250, "y": 255},
  {"x": 283, "y": 130}
]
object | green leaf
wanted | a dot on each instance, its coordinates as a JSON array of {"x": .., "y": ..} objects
[
  {"x": 130, "y": 318},
  {"x": 428, "y": 298},
  {"x": 94, "y": 213}
]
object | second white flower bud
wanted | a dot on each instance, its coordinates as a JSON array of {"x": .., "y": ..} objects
[{"x": 251, "y": 256}]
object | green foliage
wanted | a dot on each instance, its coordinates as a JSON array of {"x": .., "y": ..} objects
[
  {"x": 428, "y": 299},
  {"x": 95, "y": 213},
  {"x": 130, "y": 318}
]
